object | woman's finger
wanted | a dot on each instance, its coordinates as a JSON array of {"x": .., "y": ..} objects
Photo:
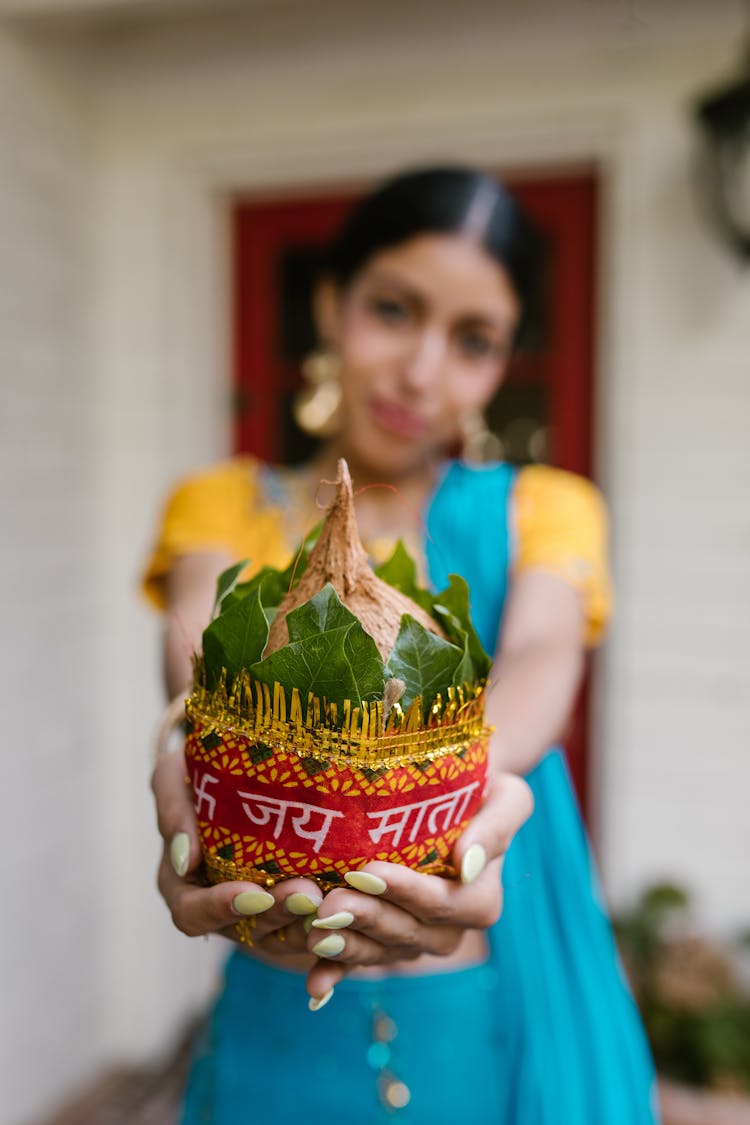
[
  {"x": 388, "y": 925},
  {"x": 292, "y": 900},
  {"x": 354, "y": 929},
  {"x": 434, "y": 900},
  {"x": 175, "y": 813},
  {"x": 348, "y": 947},
  {"x": 507, "y": 805},
  {"x": 287, "y": 943},
  {"x": 321, "y": 981},
  {"x": 197, "y": 909}
]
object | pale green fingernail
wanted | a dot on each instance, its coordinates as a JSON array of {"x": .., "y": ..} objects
[
  {"x": 308, "y": 922},
  {"x": 315, "y": 1003},
  {"x": 473, "y": 863},
  {"x": 334, "y": 921},
  {"x": 364, "y": 881},
  {"x": 330, "y": 946},
  {"x": 179, "y": 853},
  {"x": 300, "y": 904},
  {"x": 252, "y": 902}
]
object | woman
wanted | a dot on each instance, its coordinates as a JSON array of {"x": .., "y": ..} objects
[{"x": 440, "y": 1009}]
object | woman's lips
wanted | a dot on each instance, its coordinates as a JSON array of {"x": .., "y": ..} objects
[{"x": 397, "y": 419}]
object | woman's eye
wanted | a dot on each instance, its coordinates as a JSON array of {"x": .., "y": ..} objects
[
  {"x": 477, "y": 346},
  {"x": 389, "y": 309}
]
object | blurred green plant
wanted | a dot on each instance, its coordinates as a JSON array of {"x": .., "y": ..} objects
[{"x": 694, "y": 1007}]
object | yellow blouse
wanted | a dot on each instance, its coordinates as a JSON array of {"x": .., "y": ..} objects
[{"x": 559, "y": 522}]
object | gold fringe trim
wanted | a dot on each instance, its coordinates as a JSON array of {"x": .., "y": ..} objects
[{"x": 352, "y": 736}]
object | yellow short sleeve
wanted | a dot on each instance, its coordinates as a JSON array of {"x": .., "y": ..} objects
[
  {"x": 219, "y": 509},
  {"x": 561, "y": 526}
]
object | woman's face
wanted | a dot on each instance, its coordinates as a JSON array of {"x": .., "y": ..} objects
[{"x": 424, "y": 333}]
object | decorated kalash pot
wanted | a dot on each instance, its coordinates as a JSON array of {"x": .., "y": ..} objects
[{"x": 336, "y": 716}]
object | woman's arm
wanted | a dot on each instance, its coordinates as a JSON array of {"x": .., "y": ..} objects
[
  {"x": 534, "y": 682},
  {"x": 190, "y": 590},
  {"x": 537, "y": 669}
]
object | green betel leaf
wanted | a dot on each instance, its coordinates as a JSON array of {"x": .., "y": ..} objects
[
  {"x": 465, "y": 672},
  {"x": 235, "y": 639},
  {"x": 226, "y": 582},
  {"x": 329, "y": 654},
  {"x": 451, "y": 608},
  {"x": 400, "y": 571},
  {"x": 427, "y": 664},
  {"x": 272, "y": 584}
]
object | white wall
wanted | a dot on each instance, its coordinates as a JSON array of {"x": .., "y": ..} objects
[
  {"x": 90, "y": 968},
  {"x": 152, "y": 424},
  {"x": 320, "y": 94},
  {"x": 675, "y": 776},
  {"x": 52, "y": 934}
]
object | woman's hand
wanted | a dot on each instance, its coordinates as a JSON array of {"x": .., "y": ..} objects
[
  {"x": 398, "y": 914},
  {"x": 199, "y": 909}
]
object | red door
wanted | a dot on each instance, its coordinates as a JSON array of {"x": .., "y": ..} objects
[{"x": 544, "y": 410}]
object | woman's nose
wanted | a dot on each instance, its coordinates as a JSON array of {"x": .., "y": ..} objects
[{"x": 423, "y": 365}]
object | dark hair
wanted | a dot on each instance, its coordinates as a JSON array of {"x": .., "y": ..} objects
[{"x": 446, "y": 200}]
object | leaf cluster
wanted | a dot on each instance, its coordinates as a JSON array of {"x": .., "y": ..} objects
[{"x": 329, "y": 653}]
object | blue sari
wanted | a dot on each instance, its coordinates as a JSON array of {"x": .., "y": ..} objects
[{"x": 545, "y": 1033}]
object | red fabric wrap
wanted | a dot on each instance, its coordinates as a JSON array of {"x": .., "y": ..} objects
[{"x": 268, "y": 814}]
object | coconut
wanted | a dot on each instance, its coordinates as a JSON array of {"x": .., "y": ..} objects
[{"x": 338, "y": 557}]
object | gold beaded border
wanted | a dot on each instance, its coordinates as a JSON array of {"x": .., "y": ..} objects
[{"x": 225, "y": 871}]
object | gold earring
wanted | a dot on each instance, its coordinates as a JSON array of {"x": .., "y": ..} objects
[
  {"x": 478, "y": 443},
  {"x": 316, "y": 406}
]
